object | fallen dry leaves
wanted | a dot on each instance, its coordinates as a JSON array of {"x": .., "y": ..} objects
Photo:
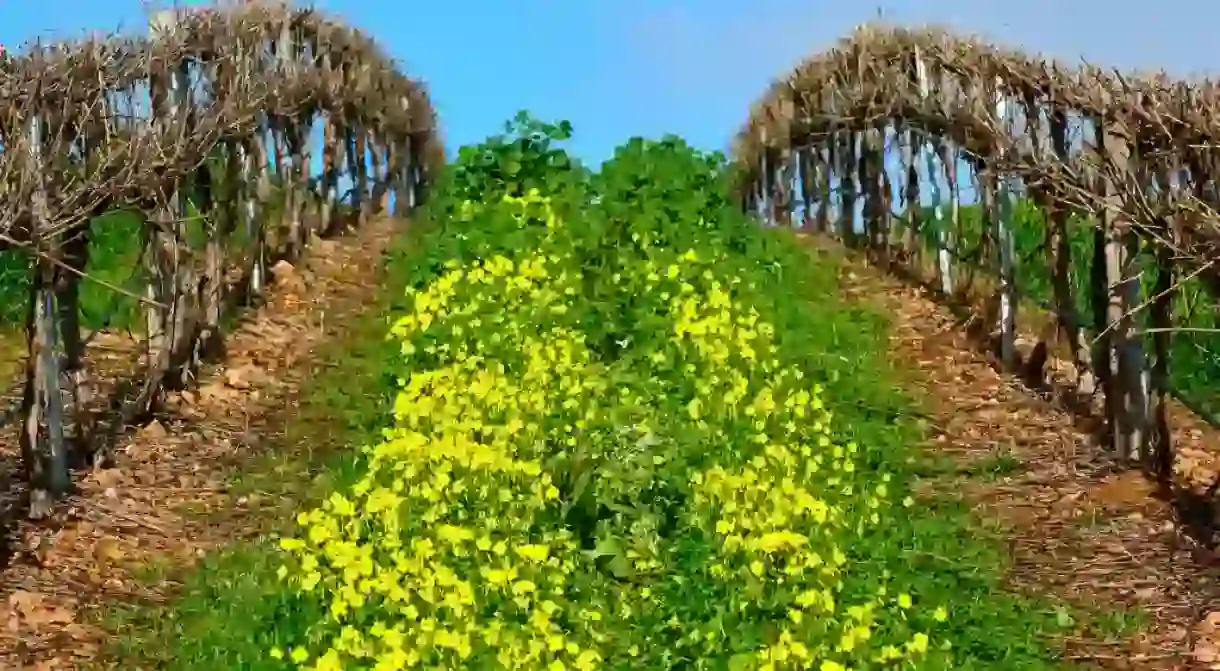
[
  {"x": 1079, "y": 529},
  {"x": 60, "y": 571}
]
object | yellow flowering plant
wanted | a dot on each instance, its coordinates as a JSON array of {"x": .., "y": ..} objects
[
  {"x": 607, "y": 450},
  {"x": 513, "y": 439}
]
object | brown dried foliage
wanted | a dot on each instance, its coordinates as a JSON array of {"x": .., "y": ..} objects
[
  {"x": 870, "y": 78},
  {"x": 105, "y": 147}
]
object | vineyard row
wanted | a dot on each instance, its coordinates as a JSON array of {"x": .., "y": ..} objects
[
  {"x": 1101, "y": 188},
  {"x": 200, "y": 140}
]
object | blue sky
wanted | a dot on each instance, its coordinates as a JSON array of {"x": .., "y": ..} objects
[{"x": 618, "y": 68}]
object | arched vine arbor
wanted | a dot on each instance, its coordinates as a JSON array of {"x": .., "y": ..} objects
[
  {"x": 1114, "y": 178},
  {"x": 204, "y": 133}
]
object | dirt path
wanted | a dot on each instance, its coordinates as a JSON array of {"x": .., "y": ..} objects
[
  {"x": 1078, "y": 530},
  {"x": 134, "y": 515}
]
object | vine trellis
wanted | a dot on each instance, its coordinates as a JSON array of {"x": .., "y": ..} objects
[
  {"x": 204, "y": 130},
  {"x": 1125, "y": 165}
]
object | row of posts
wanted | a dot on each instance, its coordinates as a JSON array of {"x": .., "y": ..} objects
[
  {"x": 183, "y": 311},
  {"x": 1109, "y": 354}
]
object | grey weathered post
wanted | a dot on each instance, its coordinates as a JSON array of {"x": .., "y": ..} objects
[
  {"x": 1005, "y": 239},
  {"x": 944, "y": 233},
  {"x": 176, "y": 274},
  {"x": 43, "y": 444}
]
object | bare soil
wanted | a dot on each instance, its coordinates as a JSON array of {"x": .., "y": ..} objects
[
  {"x": 1079, "y": 527},
  {"x": 156, "y": 505}
]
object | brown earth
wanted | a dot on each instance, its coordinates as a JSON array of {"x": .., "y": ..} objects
[
  {"x": 146, "y": 511},
  {"x": 1079, "y": 528}
]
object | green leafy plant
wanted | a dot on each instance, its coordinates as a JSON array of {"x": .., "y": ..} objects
[{"x": 523, "y": 158}]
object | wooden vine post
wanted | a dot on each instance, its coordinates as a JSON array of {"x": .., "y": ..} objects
[
  {"x": 379, "y": 156},
  {"x": 1034, "y": 367},
  {"x": 242, "y": 170},
  {"x": 886, "y": 187},
  {"x": 1124, "y": 391},
  {"x": 288, "y": 132},
  {"x": 75, "y": 385},
  {"x": 76, "y": 390},
  {"x": 154, "y": 308},
  {"x": 329, "y": 141},
  {"x": 872, "y": 170},
  {"x": 951, "y": 225},
  {"x": 774, "y": 189},
  {"x": 821, "y": 176},
  {"x": 258, "y": 191},
  {"x": 764, "y": 185},
  {"x": 414, "y": 171},
  {"x": 409, "y": 181},
  {"x": 421, "y": 181},
  {"x": 361, "y": 173},
  {"x": 356, "y": 155},
  {"x": 944, "y": 259},
  {"x": 1160, "y": 320},
  {"x": 785, "y": 191},
  {"x": 757, "y": 199},
  {"x": 804, "y": 174},
  {"x": 847, "y": 184},
  {"x": 396, "y": 171},
  {"x": 228, "y": 211},
  {"x": 302, "y": 156},
  {"x": 785, "y": 176},
  {"x": 836, "y": 172},
  {"x": 215, "y": 179},
  {"x": 833, "y": 182},
  {"x": 864, "y": 184},
  {"x": 913, "y": 233},
  {"x": 1002, "y": 213},
  {"x": 944, "y": 229},
  {"x": 43, "y": 445},
  {"x": 174, "y": 285},
  {"x": 335, "y": 151},
  {"x": 405, "y": 194},
  {"x": 1061, "y": 266}
]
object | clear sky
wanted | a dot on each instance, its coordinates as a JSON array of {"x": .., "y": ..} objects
[{"x": 618, "y": 68}]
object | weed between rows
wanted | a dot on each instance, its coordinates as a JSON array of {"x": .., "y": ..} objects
[
  {"x": 236, "y": 609},
  {"x": 232, "y": 608}
]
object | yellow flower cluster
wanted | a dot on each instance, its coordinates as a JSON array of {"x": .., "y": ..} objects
[
  {"x": 781, "y": 511},
  {"x": 453, "y": 549},
  {"x": 442, "y": 528}
]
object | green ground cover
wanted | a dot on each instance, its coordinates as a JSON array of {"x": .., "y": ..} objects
[{"x": 616, "y": 425}]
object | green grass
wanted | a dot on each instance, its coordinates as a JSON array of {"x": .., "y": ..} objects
[
  {"x": 231, "y": 610},
  {"x": 114, "y": 259}
]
